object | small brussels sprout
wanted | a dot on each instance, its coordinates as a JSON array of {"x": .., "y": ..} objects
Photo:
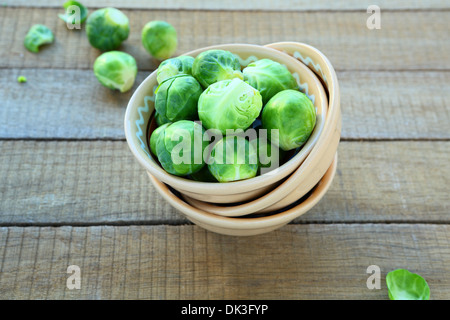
[
  {"x": 233, "y": 158},
  {"x": 215, "y": 65},
  {"x": 180, "y": 147},
  {"x": 172, "y": 67},
  {"x": 293, "y": 114},
  {"x": 116, "y": 70},
  {"x": 37, "y": 36},
  {"x": 159, "y": 38},
  {"x": 177, "y": 97},
  {"x": 268, "y": 77},
  {"x": 229, "y": 104},
  {"x": 107, "y": 28},
  {"x": 155, "y": 135},
  {"x": 160, "y": 119},
  {"x": 67, "y": 17}
]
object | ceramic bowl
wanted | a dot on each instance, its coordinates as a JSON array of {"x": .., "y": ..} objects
[
  {"x": 140, "y": 109},
  {"x": 290, "y": 205}
]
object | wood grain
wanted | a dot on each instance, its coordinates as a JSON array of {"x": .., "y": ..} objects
[
  {"x": 407, "y": 40},
  {"x": 375, "y": 105},
  {"x": 100, "y": 182},
  {"x": 289, "y": 5},
  {"x": 187, "y": 262}
]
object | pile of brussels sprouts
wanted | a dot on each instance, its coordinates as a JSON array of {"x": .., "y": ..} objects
[
  {"x": 217, "y": 122},
  {"x": 106, "y": 30}
]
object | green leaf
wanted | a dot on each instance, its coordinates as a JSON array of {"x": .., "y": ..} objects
[{"x": 405, "y": 285}]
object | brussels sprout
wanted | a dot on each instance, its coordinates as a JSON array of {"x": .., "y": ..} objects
[
  {"x": 160, "y": 119},
  {"x": 233, "y": 158},
  {"x": 177, "y": 97},
  {"x": 229, "y": 104},
  {"x": 155, "y": 135},
  {"x": 172, "y": 67},
  {"x": 67, "y": 18},
  {"x": 180, "y": 147},
  {"x": 215, "y": 65},
  {"x": 268, "y": 77},
  {"x": 107, "y": 28},
  {"x": 116, "y": 70},
  {"x": 37, "y": 36},
  {"x": 159, "y": 38},
  {"x": 293, "y": 115}
]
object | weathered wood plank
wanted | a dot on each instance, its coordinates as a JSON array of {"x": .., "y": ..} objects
[
  {"x": 406, "y": 40},
  {"x": 71, "y": 104},
  {"x": 187, "y": 262},
  {"x": 97, "y": 182},
  {"x": 297, "y": 5}
]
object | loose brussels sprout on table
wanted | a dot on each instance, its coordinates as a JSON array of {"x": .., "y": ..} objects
[
  {"x": 233, "y": 158},
  {"x": 269, "y": 77},
  {"x": 229, "y": 104},
  {"x": 116, "y": 70},
  {"x": 160, "y": 39},
  {"x": 293, "y": 115},
  {"x": 66, "y": 17},
  {"x": 174, "y": 66},
  {"x": 107, "y": 28},
  {"x": 37, "y": 36},
  {"x": 215, "y": 65},
  {"x": 180, "y": 147},
  {"x": 177, "y": 97}
]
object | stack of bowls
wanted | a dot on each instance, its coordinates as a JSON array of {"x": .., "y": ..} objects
[{"x": 265, "y": 202}]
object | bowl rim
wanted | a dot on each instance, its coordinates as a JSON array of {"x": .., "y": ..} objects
[
  {"x": 248, "y": 222},
  {"x": 236, "y": 186}
]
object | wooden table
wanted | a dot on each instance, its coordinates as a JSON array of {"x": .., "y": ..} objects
[{"x": 71, "y": 192}]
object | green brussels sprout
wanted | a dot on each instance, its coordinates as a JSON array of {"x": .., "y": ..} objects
[
  {"x": 229, "y": 104},
  {"x": 172, "y": 67},
  {"x": 155, "y": 135},
  {"x": 293, "y": 114},
  {"x": 159, "y": 38},
  {"x": 160, "y": 119},
  {"x": 180, "y": 147},
  {"x": 233, "y": 158},
  {"x": 203, "y": 175},
  {"x": 177, "y": 97},
  {"x": 215, "y": 65},
  {"x": 116, "y": 70},
  {"x": 37, "y": 36},
  {"x": 107, "y": 28},
  {"x": 269, "y": 77},
  {"x": 67, "y": 18}
]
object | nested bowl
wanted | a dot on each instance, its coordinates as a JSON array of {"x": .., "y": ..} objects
[
  {"x": 279, "y": 198},
  {"x": 138, "y": 119}
]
